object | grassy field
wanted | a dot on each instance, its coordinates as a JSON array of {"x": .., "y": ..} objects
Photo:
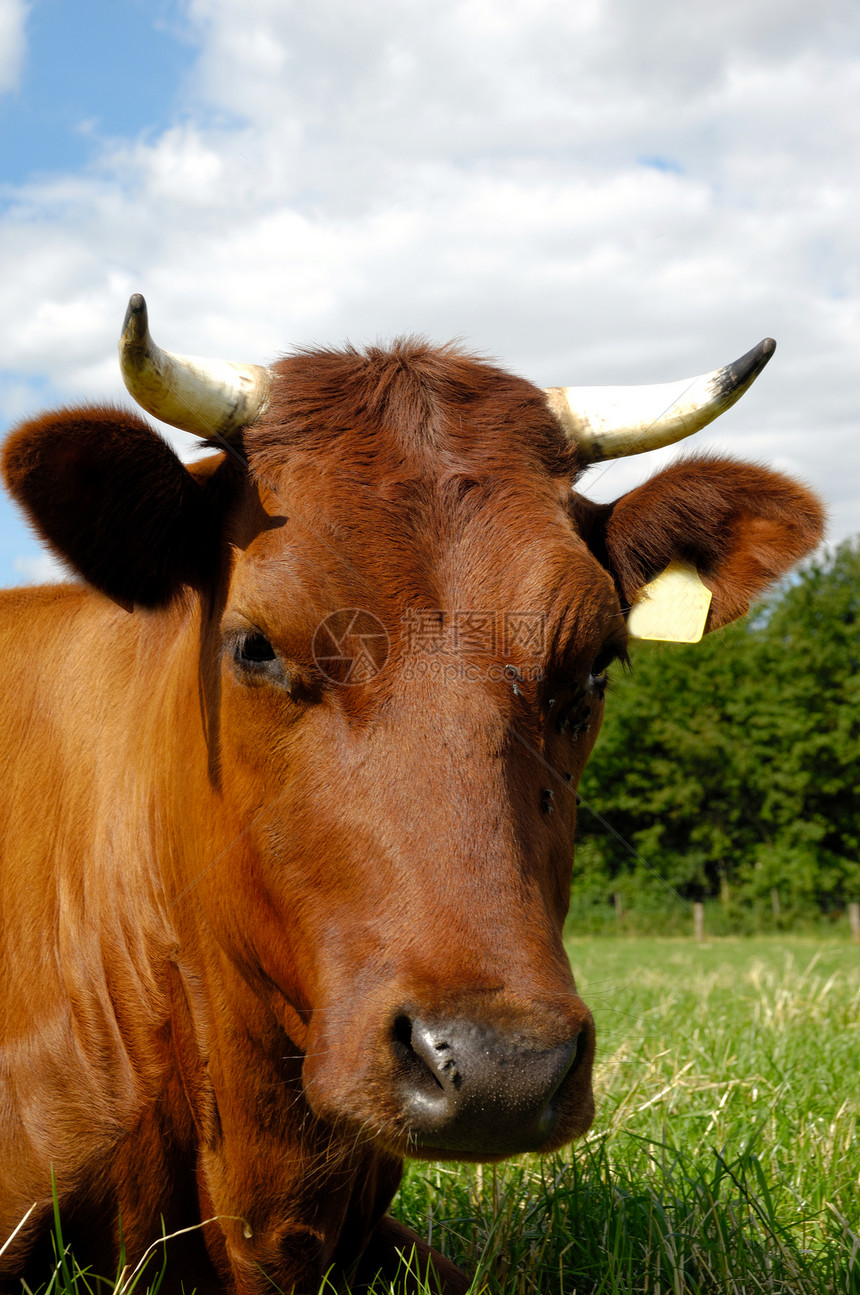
[{"x": 725, "y": 1154}]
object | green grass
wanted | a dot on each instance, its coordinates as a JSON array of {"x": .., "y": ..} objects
[{"x": 725, "y": 1155}]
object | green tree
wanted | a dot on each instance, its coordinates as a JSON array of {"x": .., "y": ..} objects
[
  {"x": 806, "y": 734},
  {"x": 729, "y": 767}
]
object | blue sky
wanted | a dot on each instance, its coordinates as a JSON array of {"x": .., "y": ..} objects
[
  {"x": 599, "y": 192},
  {"x": 93, "y": 69}
]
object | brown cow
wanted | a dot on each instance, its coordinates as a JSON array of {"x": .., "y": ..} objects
[{"x": 287, "y": 850}]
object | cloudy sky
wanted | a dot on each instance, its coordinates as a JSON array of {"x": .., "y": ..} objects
[{"x": 590, "y": 191}]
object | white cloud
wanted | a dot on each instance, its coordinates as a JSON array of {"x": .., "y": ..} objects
[
  {"x": 13, "y": 16},
  {"x": 475, "y": 168},
  {"x": 41, "y": 569}
]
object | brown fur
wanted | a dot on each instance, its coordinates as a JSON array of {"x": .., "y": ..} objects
[{"x": 217, "y": 889}]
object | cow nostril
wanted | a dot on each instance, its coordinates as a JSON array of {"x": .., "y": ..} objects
[
  {"x": 401, "y": 1031},
  {"x": 581, "y": 1049},
  {"x": 416, "y": 1067}
]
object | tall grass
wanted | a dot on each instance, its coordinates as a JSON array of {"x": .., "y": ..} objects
[
  {"x": 724, "y": 1159},
  {"x": 725, "y": 1154}
]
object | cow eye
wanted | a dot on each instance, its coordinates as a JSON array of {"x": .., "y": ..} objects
[
  {"x": 256, "y": 660},
  {"x": 598, "y": 679},
  {"x": 254, "y": 649}
]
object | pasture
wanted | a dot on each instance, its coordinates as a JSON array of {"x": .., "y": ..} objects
[
  {"x": 725, "y": 1153},
  {"x": 724, "y": 1157}
]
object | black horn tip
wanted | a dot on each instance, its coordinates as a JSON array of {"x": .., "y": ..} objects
[
  {"x": 135, "y": 326},
  {"x": 735, "y": 378}
]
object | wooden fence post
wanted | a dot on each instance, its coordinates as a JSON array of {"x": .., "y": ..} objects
[
  {"x": 619, "y": 909},
  {"x": 854, "y": 919},
  {"x": 699, "y": 920}
]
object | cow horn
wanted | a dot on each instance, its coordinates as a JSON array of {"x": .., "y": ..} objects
[
  {"x": 206, "y": 397},
  {"x": 612, "y": 422}
]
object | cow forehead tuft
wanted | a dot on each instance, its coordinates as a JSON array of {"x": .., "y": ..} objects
[{"x": 410, "y": 409}]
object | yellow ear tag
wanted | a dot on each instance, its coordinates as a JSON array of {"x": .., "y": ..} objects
[{"x": 672, "y": 608}]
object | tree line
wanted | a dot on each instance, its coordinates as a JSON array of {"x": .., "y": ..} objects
[{"x": 727, "y": 770}]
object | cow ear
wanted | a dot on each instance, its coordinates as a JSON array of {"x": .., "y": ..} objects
[
  {"x": 740, "y": 526},
  {"x": 111, "y": 499}
]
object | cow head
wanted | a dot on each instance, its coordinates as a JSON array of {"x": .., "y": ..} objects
[{"x": 403, "y": 616}]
